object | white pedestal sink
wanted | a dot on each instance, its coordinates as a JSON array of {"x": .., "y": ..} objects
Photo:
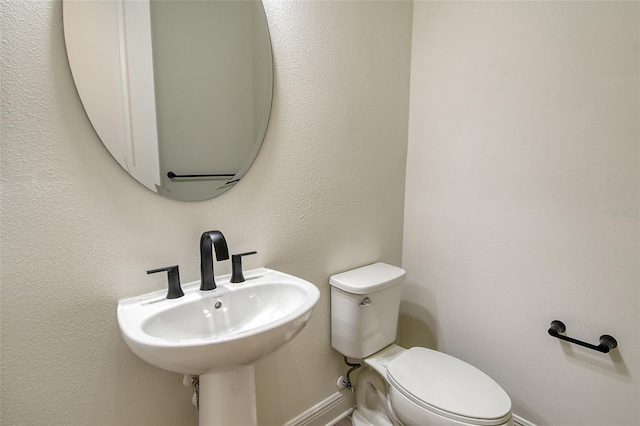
[{"x": 219, "y": 334}]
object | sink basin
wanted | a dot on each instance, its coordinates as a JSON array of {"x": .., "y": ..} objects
[{"x": 218, "y": 330}]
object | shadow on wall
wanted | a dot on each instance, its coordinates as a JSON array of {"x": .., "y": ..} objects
[
  {"x": 416, "y": 326},
  {"x": 597, "y": 363}
]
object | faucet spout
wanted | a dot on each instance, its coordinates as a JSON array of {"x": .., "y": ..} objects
[{"x": 210, "y": 242}]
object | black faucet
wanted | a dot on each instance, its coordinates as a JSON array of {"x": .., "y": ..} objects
[{"x": 208, "y": 240}]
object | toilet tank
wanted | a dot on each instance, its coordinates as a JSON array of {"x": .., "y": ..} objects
[{"x": 365, "y": 303}]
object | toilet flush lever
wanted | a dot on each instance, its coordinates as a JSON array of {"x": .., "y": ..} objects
[{"x": 366, "y": 301}]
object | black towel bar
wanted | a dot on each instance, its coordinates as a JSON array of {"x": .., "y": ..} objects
[
  {"x": 606, "y": 342},
  {"x": 172, "y": 175}
]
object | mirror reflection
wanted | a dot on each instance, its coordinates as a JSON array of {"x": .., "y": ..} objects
[{"x": 179, "y": 91}]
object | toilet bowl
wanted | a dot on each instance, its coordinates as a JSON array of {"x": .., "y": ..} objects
[{"x": 398, "y": 386}]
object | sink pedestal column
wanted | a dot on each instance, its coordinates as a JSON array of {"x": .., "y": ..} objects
[{"x": 228, "y": 398}]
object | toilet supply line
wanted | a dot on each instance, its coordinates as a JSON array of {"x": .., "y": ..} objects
[{"x": 346, "y": 383}]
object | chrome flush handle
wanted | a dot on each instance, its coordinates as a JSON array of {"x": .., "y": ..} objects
[{"x": 366, "y": 302}]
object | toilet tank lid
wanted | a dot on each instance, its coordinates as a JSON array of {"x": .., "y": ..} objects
[{"x": 368, "y": 279}]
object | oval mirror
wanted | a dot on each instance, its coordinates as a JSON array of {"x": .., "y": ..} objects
[{"x": 179, "y": 91}]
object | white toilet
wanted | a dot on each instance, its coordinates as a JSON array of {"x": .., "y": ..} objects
[{"x": 397, "y": 386}]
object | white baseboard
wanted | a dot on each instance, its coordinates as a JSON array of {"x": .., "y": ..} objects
[
  {"x": 327, "y": 412},
  {"x": 339, "y": 405},
  {"x": 519, "y": 421}
]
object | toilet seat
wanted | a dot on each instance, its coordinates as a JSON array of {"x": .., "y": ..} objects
[{"x": 448, "y": 387}]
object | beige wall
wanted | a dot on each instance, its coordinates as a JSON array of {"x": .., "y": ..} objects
[
  {"x": 521, "y": 201},
  {"x": 78, "y": 233}
]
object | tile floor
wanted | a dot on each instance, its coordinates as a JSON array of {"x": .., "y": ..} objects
[{"x": 344, "y": 422}]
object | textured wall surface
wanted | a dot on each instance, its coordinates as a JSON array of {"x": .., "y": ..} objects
[
  {"x": 324, "y": 195},
  {"x": 522, "y": 199}
]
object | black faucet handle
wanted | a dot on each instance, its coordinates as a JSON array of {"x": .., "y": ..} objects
[
  {"x": 173, "y": 275},
  {"x": 236, "y": 266}
]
